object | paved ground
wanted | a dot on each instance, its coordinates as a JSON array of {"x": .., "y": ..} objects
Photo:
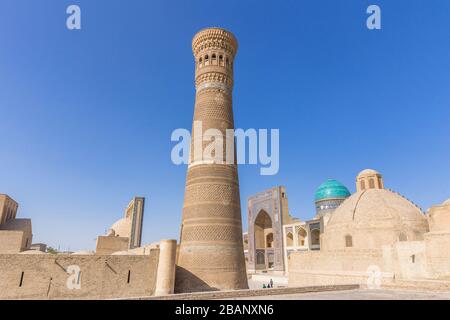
[
  {"x": 360, "y": 294},
  {"x": 253, "y": 285}
]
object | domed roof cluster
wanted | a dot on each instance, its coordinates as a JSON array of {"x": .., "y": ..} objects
[{"x": 331, "y": 189}]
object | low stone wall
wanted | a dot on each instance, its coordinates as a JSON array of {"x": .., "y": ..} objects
[
  {"x": 344, "y": 260},
  {"x": 437, "y": 251},
  {"x": 316, "y": 268},
  {"x": 422, "y": 285},
  {"x": 46, "y": 276},
  {"x": 405, "y": 260}
]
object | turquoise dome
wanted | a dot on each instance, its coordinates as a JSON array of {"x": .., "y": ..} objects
[{"x": 331, "y": 189}]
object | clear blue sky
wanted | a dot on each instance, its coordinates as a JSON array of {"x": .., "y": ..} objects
[{"x": 86, "y": 116}]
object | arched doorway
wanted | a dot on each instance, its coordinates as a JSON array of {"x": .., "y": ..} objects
[
  {"x": 402, "y": 237},
  {"x": 315, "y": 237},
  {"x": 289, "y": 240},
  {"x": 263, "y": 241},
  {"x": 301, "y": 237}
]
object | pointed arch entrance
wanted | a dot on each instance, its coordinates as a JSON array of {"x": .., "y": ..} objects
[
  {"x": 266, "y": 211},
  {"x": 263, "y": 241}
]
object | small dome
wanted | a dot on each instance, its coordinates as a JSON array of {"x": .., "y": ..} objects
[
  {"x": 367, "y": 172},
  {"x": 331, "y": 189},
  {"x": 446, "y": 202},
  {"x": 121, "y": 228},
  {"x": 369, "y": 179}
]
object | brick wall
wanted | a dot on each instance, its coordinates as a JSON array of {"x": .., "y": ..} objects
[
  {"x": 108, "y": 245},
  {"x": 44, "y": 276},
  {"x": 11, "y": 241}
]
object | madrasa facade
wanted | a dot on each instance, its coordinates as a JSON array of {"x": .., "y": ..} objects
[
  {"x": 273, "y": 234},
  {"x": 374, "y": 234}
]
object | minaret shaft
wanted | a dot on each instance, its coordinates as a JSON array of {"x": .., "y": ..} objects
[{"x": 211, "y": 255}]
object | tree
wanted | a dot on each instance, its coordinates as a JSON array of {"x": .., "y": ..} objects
[{"x": 52, "y": 250}]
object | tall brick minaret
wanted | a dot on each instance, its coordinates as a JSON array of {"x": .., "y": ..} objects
[{"x": 211, "y": 255}]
